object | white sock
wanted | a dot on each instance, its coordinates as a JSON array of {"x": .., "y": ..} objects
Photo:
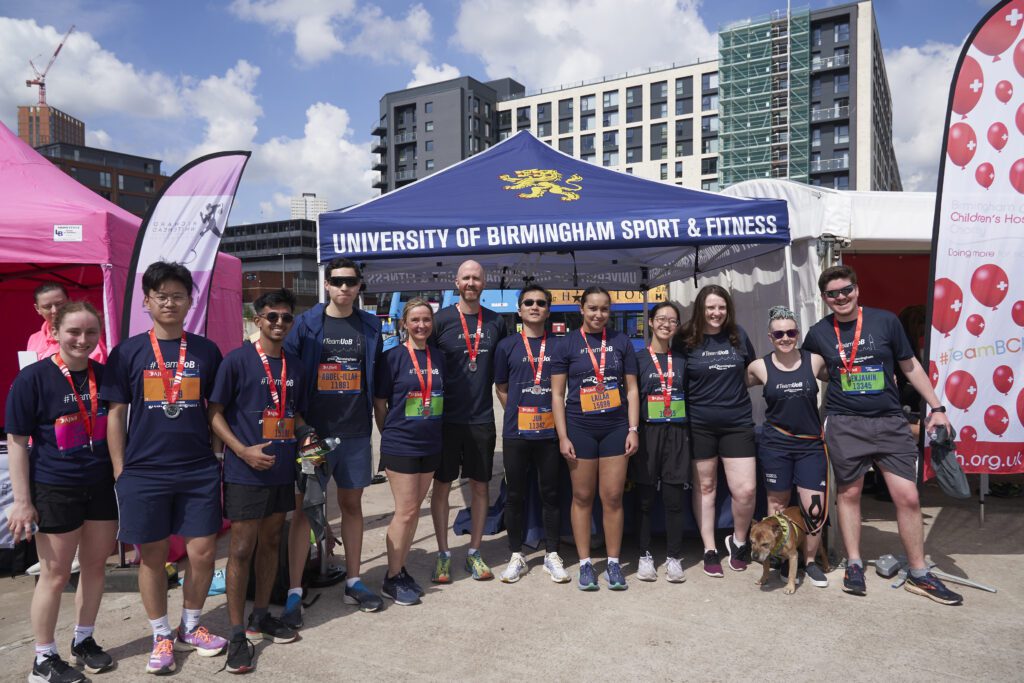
[
  {"x": 161, "y": 627},
  {"x": 737, "y": 542},
  {"x": 516, "y": 555},
  {"x": 83, "y": 632},
  {"x": 190, "y": 618},
  {"x": 295, "y": 591},
  {"x": 445, "y": 553},
  {"x": 584, "y": 560},
  {"x": 43, "y": 650},
  {"x": 613, "y": 560},
  {"x": 472, "y": 551},
  {"x": 351, "y": 582}
]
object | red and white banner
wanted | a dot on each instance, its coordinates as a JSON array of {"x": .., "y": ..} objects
[{"x": 977, "y": 315}]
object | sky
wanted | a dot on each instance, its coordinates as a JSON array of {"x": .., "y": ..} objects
[{"x": 298, "y": 82}]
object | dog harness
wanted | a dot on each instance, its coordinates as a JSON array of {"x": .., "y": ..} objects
[{"x": 787, "y": 531}]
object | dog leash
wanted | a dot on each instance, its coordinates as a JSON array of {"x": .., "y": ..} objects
[{"x": 828, "y": 474}]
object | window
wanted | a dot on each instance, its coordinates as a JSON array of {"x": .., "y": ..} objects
[
  {"x": 610, "y": 139},
  {"x": 634, "y": 137},
  {"x": 709, "y": 166},
  {"x": 816, "y": 87},
  {"x": 610, "y": 118},
  {"x": 565, "y": 145},
  {"x": 104, "y": 179},
  {"x": 684, "y": 148},
  {"x": 120, "y": 181},
  {"x": 504, "y": 135},
  {"x": 610, "y": 159},
  {"x": 589, "y": 157},
  {"x": 634, "y": 154},
  {"x": 476, "y": 105},
  {"x": 487, "y": 129},
  {"x": 428, "y": 146},
  {"x": 565, "y": 109},
  {"x": 659, "y": 90},
  {"x": 474, "y": 145},
  {"x": 709, "y": 146},
  {"x": 841, "y": 182},
  {"x": 544, "y": 129},
  {"x": 663, "y": 171},
  {"x": 816, "y": 137},
  {"x": 684, "y": 105},
  {"x": 841, "y": 84},
  {"x": 586, "y": 144},
  {"x": 542, "y": 111},
  {"x": 659, "y": 151},
  {"x": 659, "y": 110},
  {"x": 634, "y": 95},
  {"x": 428, "y": 126},
  {"x": 684, "y": 86},
  {"x": 588, "y": 102},
  {"x": 610, "y": 99},
  {"x": 564, "y": 126},
  {"x": 816, "y": 37},
  {"x": 429, "y": 164},
  {"x": 709, "y": 185},
  {"x": 841, "y": 135},
  {"x": 629, "y": 170},
  {"x": 523, "y": 117},
  {"x": 588, "y": 122},
  {"x": 709, "y": 81},
  {"x": 487, "y": 109},
  {"x": 428, "y": 107},
  {"x": 708, "y": 124},
  {"x": 709, "y": 102},
  {"x": 840, "y": 54},
  {"x": 634, "y": 114},
  {"x": 504, "y": 119},
  {"x": 679, "y": 169},
  {"x": 841, "y": 32}
]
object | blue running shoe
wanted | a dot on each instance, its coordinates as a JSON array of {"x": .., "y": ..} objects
[
  {"x": 411, "y": 581},
  {"x": 613, "y": 575},
  {"x": 359, "y": 594},
  {"x": 292, "y": 614},
  {"x": 853, "y": 580},
  {"x": 930, "y": 587},
  {"x": 588, "y": 578},
  {"x": 398, "y": 589}
]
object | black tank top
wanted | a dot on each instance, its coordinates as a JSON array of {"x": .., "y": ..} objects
[{"x": 792, "y": 405}]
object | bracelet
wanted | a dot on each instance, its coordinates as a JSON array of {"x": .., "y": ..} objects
[
  {"x": 634, "y": 429},
  {"x": 939, "y": 409}
]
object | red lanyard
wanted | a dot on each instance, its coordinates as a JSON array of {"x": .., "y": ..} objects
[
  {"x": 666, "y": 386},
  {"x": 856, "y": 340},
  {"x": 425, "y": 385},
  {"x": 536, "y": 365},
  {"x": 474, "y": 349},
  {"x": 88, "y": 418},
  {"x": 171, "y": 389},
  {"x": 598, "y": 371},
  {"x": 278, "y": 403}
]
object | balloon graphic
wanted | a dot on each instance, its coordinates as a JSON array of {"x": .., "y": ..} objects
[
  {"x": 996, "y": 419},
  {"x": 963, "y": 143},
  {"x": 1019, "y": 118},
  {"x": 1018, "y": 313},
  {"x": 969, "y": 434},
  {"x": 1017, "y": 175},
  {"x": 998, "y": 135},
  {"x": 989, "y": 285},
  {"x": 961, "y": 389},
  {"x": 1000, "y": 30},
  {"x": 969, "y": 86},
  {"x": 946, "y": 306},
  {"x": 985, "y": 174},
  {"x": 933, "y": 373},
  {"x": 1004, "y": 91},
  {"x": 1002, "y": 378},
  {"x": 975, "y": 324},
  {"x": 1018, "y": 57},
  {"x": 1020, "y": 406}
]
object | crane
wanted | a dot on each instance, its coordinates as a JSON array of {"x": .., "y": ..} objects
[{"x": 40, "y": 78}]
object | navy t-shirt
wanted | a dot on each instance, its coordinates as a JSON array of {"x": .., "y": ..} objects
[
  {"x": 407, "y": 430},
  {"x": 571, "y": 359},
  {"x": 870, "y": 391},
  {"x": 512, "y": 367},
  {"x": 716, "y": 381},
  {"x": 791, "y": 400},
  {"x": 156, "y": 443},
  {"x": 241, "y": 387},
  {"x": 652, "y": 399},
  {"x": 468, "y": 398},
  {"x": 340, "y": 408},
  {"x": 41, "y": 405}
]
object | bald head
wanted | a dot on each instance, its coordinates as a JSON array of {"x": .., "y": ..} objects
[{"x": 470, "y": 281}]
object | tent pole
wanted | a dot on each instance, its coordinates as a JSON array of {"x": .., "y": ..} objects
[
  {"x": 646, "y": 320},
  {"x": 320, "y": 283},
  {"x": 790, "y": 297}
]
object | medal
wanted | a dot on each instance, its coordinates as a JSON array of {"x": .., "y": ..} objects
[
  {"x": 279, "y": 400},
  {"x": 537, "y": 365},
  {"x": 666, "y": 383},
  {"x": 426, "y": 412},
  {"x": 425, "y": 385},
  {"x": 88, "y": 417},
  {"x": 598, "y": 370},
  {"x": 171, "y": 388},
  {"x": 667, "y": 412},
  {"x": 472, "y": 349},
  {"x": 472, "y": 366},
  {"x": 536, "y": 389},
  {"x": 172, "y": 410}
]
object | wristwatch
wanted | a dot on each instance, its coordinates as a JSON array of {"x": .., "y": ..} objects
[
  {"x": 634, "y": 429},
  {"x": 939, "y": 409}
]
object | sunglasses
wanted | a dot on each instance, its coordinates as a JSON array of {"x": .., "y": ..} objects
[
  {"x": 343, "y": 281},
  {"x": 539, "y": 303},
  {"x": 836, "y": 293},
  {"x": 779, "y": 334},
  {"x": 273, "y": 317}
]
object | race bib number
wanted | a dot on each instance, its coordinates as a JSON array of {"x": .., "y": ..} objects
[
  {"x": 277, "y": 428},
  {"x": 71, "y": 436},
  {"x": 415, "y": 409},
  {"x": 153, "y": 389},
  {"x": 865, "y": 379},
  {"x": 656, "y": 411},
  {"x": 339, "y": 378},
  {"x": 594, "y": 401},
  {"x": 536, "y": 422}
]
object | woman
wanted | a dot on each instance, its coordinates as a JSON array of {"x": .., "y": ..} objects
[
  {"x": 664, "y": 454},
  {"x": 718, "y": 352},
  {"x": 63, "y": 486},
  {"x": 597, "y": 427},
  {"x": 49, "y": 297},
  {"x": 791, "y": 450},
  {"x": 408, "y": 406}
]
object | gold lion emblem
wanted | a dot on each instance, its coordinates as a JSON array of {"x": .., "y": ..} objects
[{"x": 540, "y": 181}]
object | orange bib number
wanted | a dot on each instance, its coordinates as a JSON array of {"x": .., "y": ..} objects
[
  {"x": 594, "y": 401},
  {"x": 276, "y": 428},
  {"x": 534, "y": 421},
  {"x": 335, "y": 378}
]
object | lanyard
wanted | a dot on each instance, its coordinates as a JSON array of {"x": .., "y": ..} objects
[
  {"x": 425, "y": 385},
  {"x": 598, "y": 371},
  {"x": 536, "y": 365},
  {"x": 278, "y": 403},
  {"x": 474, "y": 349},
  {"x": 171, "y": 389},
  {"x": 666, "y": 386},
  {"x": 88, "y": 418},
  {"x": 856, "y": 340}
]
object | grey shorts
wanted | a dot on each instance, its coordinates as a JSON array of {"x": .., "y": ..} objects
[{"x": 855, "y": 443}]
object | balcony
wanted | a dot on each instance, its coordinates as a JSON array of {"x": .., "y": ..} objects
[
  {"x": 830, "y": 114},
  {"x": 401, "y": 176},
  {"x": 380, "y": 165},
  {"x": 825, "y": 63},
  {"x": 827, "y": 165},
  {"x": 380, "y": 146},
  {"x": 380, "y": 128},
  {"x": 380, "y": 182},
  {"x": 404, "y": 138}
]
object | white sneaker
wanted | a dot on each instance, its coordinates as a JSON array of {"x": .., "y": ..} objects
[
  {"x": 33, "y": 570},
  {"x": 646, "y": 570},
  {"x": 515, "y": 569},
  {"x": 553, "y": 566},
  {"x": 674, "y": 571}
]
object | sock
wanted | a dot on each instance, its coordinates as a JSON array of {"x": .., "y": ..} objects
[
  {"x": 190, "y": 618},
  {"x": 258, "y": 613},
  {"x": 473, "y": 551},
  {"x": 444, "y": 553},
  {"x": 296, "y": 592},
  {"x": 237, "y": 630},
  {"x": 83, "y": 632},
  {"x": 919, "y": 573},
  {"x": 584, "y": 560},
  {"x": 161, "y": 627},
  {"x": 710, "y": 550},
  {"x": 44, "y": 650},
  {"x": 737, "y": 542},
  {"x": 613, "y": 560},
  {"x": 352, "y": 581},
  {"x": 855, "y": 561}
]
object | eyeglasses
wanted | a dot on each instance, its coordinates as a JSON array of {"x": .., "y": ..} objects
[
  {"x": 667, "y": 322},
  {"x": 274, "y": 316},
  {"x": 539, "y": 303},
  {"x": 779, "y": 334},
  {"x": 836, "y": 293},
  {"x": 343, "y": 281},
  {"x": 172, "y": 300}
]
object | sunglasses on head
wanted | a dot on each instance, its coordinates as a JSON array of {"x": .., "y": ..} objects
[
  {"x": 343, "y": 281},
  {"x": 843, "y": 291},
  {"x": 779, "y": 334},
  {"x": 274, "y": 316},
  {"x": 539, "y": 303}
]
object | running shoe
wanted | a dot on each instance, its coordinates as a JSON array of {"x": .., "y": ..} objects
[
  {"x": 930, "y": 587},
  {"x": 515, "y": 569},
  {"x": 588, "y": 578},
  {"x": 399, "y": 589},
  {"x": 53, "y": 669},
  {"x": 815, "y": 575},
  {"x": 240, "y": 654},
  {"x": 199, "y": 639},
  {"x": 739, "y": 555},
  {"x": 291, "y": 616},
  {"x": 674, "y": 571},
  {"x": 359, "y": 594},
  {"x": 161, "y": 659},
  {"x": 412, "y": 582},
  {"x": 554, "y": 567},
  {"x": 853, "y": 580},
  {"x": 442, "y": 569},
  {"x": 713, "y": 565},
  {"x": 646, "y": 571},
  {"x": 613, "y": 575},
  {"x": 91, "y": 656},
  {"x": 269, "y": 627},
  {"x": 477, "y": 568}
]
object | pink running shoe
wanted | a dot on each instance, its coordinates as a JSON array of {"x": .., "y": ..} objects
[
  {"x": 200, "y": 640},
  {"x": 161, "y": 659}
]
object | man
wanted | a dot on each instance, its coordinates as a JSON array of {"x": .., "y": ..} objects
[
  {"x": 256, "y": 405},
  {"x": 167, "y": 478},
  {"x": 865, "y": 424},
  {"x": 48, "y": 297},
  {"x": 337, "y": 346},
  {"x": 466, "y": 334}
]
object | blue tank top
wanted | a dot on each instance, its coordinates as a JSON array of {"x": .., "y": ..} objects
[{"x": 792, "y": 405}]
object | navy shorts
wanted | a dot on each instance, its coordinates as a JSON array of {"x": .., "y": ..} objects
[
  {"x": 151, "y": 508},
  {"x": 591, "y": 444},
  {"x": 351, "y": 463},
  {"x": 785, "y": 467}
]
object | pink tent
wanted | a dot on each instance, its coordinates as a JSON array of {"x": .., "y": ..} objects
[{"x": 54, "y": 228}]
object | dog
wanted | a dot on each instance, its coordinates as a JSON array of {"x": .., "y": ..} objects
[{"x": 782, "y": 536}]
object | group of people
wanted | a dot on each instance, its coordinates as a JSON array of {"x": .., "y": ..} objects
[{"x": 128, "y": 449}]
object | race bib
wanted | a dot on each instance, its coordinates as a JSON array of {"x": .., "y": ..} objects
[
  {"x": 594, "y": 401},
  {"x": 536, "y": 422},
  {"x": 416, "y": 410},
  {"x": 656, "y": 411},
  {"x": 71, "y": 436},
  {"x": 276, "y": 428},
  {"x": 865, "y": 379},
  {"x": 339, "y": 378},
  {"x": 153, "y": 392}
]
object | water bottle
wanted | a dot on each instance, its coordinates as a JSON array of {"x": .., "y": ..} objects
[{"x": 313, "y": 450}]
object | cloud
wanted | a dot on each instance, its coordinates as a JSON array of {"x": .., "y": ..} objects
[
  {"x": 424, "y": 74},
  {"x": 228, "y": 107},
  {"x": 919, "y": 78},
  {"x": 545, "y": 43},
  {"x": 98, "y": 138}
]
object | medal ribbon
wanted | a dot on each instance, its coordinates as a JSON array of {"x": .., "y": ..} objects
[
  {"x": 425, "y": 385},
  {"x": 171, "y": 389},
  {"x": 598, "y": 371},
  {"x": 474, "y": 349},
  {"x": 536, "y": 365},
  {"x": 278, "y": 403},
  {"x": 666, "y": 386},
  {"x": 856, "y": 340},
  {"x": 88, "y": 417}
]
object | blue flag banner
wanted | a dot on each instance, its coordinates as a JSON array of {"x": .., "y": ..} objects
[{"x": 528, "y": 212}]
